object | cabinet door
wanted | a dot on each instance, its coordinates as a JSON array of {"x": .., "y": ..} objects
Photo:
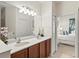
[
  {"x": 42, "y": 50},
  {"x": 26, "y": 53},
  {"x": 20, "y": 54},
  {"x": 48, "y": 47},
  {"x": 34, "y": 51}
]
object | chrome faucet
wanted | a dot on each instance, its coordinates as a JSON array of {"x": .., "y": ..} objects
[{"x": 18, "y": 40}]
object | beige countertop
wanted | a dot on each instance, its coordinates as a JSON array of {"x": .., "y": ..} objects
[{"x": 31, "y": 41}]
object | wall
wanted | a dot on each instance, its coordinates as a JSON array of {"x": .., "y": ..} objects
[
  {"x": 46, "y": 13},
  {"x": 68, "y": 7}
]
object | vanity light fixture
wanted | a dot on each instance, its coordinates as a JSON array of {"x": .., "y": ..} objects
[
  {"x": 34, "y": 13},
  {"x": 27, "y": 11},
  {"x": 21, "y": 9},
  {"x": 24, "y": 10}
]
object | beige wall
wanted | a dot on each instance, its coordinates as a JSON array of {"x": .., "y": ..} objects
[
  {"x": 67, "y": 7},
  {"x": 46, "y": 14}
]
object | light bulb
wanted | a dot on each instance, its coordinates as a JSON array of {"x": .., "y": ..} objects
[
  {"x": 25, "y": 12},
  {"x": 21, "y": 9},
  {"x": 24, "y": 8},
  {"x": 31, "y": 12},
  {"x": 34, "y": 13},
  {"x": 28, "y": 11}
]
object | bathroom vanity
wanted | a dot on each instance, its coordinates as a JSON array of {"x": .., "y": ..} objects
[{"x": 41, "y": 48}]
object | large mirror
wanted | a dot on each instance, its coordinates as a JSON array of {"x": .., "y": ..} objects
[
  {"x": 18, "y": 24},
  {"x": 24, "y": 24}
]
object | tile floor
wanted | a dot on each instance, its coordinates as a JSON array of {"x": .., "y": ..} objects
[{"x": 64, "y": 51}]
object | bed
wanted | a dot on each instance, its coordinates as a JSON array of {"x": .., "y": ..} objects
[{"x": 67, "y": 39}]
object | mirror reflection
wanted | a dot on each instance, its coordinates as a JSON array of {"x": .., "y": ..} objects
[{"x": 19, "y": 22}]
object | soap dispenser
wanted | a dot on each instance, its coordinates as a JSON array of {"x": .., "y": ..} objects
[{"x": 42, "y": 33}]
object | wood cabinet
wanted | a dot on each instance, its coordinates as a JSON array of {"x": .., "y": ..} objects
[
  {"x": 20, "y": 54},
  {"x": 40, "y": 50},
  {"x": 45, "y": 48},
  {"x": 34, "y": 51},
  {"x": 48, "y": 47},
  {"x": 26, "y": 52}
]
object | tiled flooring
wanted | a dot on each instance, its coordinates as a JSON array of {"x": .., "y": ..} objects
[{"x": 65, "y": 51}]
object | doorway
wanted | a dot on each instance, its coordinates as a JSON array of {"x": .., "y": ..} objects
[{"x": 65, "y": 36}]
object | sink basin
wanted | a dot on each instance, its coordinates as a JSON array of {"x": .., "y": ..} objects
[{"x": 21, "y": 44}]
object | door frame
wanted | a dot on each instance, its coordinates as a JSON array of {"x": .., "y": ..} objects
[
  {"x": 77, "y": 33},
  {"x": 76, "y": 15}
]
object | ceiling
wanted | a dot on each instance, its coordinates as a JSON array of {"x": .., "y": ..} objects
[{"x": 23, "y": 3}]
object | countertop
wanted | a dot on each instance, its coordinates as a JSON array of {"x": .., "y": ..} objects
[
  {"x": 31, "y": 41},
  {"x": 4, "y": 47}
]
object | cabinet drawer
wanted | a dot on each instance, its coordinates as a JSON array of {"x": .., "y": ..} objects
[
  {"x": 48, "y": 47},
  {"x": 42, "y": 50},
  {"x": 34, "y": 51},
  {"x": 19, "y": 54}
]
